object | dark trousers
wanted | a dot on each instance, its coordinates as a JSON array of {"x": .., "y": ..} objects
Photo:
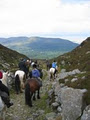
[
  {"x": 4, "y": 93},
  {"x": 5, "y": 97}
]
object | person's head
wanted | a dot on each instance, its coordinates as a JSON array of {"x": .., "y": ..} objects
[
  {"x": 1, "y": 75},
  {"x": 21, "y": 59},
  {"x": 34, "y": 66},
  {"x": 36, "y": 62},
  {"x": 27, "y": 62},
  {"x": 54, "y": 61}
]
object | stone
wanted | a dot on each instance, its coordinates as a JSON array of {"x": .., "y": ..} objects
[
  {"x": 74, "y": 79},
  {"x": 55, "y": 105},
  {"x": 71, "y": 103},
  {"x": 86, "y": 113},
  {"x": 59, "y": 109}
]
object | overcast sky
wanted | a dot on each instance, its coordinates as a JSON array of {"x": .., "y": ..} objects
[{"x": 69, "y": 19}]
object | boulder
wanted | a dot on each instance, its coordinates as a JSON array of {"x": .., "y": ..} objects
[
  {"x": 71, "y": 103},
  {"x": 86, "y": 113}
]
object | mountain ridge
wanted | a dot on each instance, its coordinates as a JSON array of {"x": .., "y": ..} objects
[{"x": 39, "y": 47}]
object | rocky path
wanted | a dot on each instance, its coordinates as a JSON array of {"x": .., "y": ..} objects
[{"x": 20, "y": 111}]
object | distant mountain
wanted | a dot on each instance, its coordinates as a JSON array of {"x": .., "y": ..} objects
[
  {"x": 39, "y": 47},
  {"x": 9, "y": 59}
]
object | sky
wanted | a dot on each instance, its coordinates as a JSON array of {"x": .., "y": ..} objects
[{"x": 67, "y": 19}]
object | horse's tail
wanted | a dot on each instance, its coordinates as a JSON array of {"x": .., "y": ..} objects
[
  {"x": 51, "y": 73},
  {"x": 27, "y": 95},
  {"x": 24, "y": 78},
  {"x": 17, "y": 83}
]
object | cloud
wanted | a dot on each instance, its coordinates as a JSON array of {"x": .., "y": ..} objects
[{"x": 40, "y": 17}]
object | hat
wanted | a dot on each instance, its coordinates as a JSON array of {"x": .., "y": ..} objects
[
  {"x": 34, "y": 65},
  {"x": 1, "y": 75}
]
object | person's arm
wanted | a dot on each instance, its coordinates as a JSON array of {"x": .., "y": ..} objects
[{"x": 38, "y": 73}]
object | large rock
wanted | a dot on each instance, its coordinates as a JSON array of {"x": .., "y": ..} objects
[
  {"x": 71, "y": 103},
  {"x": 86, "y": 114},
  {"x": 64, "y": 74}
]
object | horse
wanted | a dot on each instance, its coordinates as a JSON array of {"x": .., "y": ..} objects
[
  {"x": 20, "y": 78},
  {"x": 53, "y": 72},
  {"x": 31, "y": 87},
  {"x": 39, "y": 80},
  {"x": 2, "y": 105}
]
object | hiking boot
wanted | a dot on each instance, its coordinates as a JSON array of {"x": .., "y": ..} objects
[{"x": 9, "y": 105}]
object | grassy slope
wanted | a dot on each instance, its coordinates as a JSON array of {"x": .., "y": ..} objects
[
  {"x": 10, "y": 57},
  {"x": 79, "y": 58}
]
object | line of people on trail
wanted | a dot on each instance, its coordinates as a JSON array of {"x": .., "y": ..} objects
[
  {"x": 23, "y": 65},
  {"x": 36, "y": 71}
]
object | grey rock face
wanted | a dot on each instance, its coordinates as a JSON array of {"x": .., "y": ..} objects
[
  {"x": 86, "y": 114},
  {"x": 71, "y": 100},
  {"x": 65, "y": 74}
]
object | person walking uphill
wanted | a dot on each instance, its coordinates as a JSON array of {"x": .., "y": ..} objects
[{"x": 4, "y": 92}]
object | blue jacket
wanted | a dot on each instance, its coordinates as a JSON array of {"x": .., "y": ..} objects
[
  {"x": 35, "y": 73},
  {"x": 54, "y": 64}
]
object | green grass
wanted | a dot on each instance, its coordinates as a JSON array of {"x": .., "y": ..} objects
[{"x": 43, "y": 104}]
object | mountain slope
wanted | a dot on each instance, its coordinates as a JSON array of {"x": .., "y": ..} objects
[
  {"x": 78, "y": 58},
  {"x": 9, "y": 59},
  {"x": 52, "y": 44},
  {"x": 39, "y": 47}
]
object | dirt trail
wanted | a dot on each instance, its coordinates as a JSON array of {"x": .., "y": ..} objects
[{"x": 20, "y": 111}]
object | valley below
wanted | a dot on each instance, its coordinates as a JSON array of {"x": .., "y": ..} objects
[{"x": 39, "y": 47}]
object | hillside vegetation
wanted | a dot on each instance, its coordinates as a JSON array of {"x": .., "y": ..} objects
[
  {"x": 9, "y": 59},
  {"x": 79, "y": 58}
]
